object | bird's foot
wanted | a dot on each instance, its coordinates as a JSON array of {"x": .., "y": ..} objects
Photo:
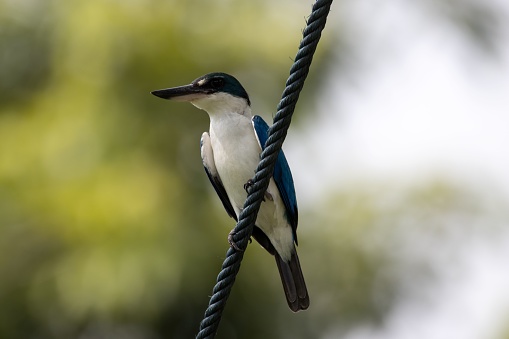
[
  {"x": 268, "y": 196},
  {"x": 232, "y": 242},
  {"x": 249, "y": 184}
]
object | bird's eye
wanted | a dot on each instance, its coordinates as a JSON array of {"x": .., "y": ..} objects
[{"x": 217, "y": 83}]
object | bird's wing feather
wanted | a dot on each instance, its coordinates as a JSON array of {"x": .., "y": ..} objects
[
  {"x": 282, "y": 175},
  {"x": 207, "y": 157}
]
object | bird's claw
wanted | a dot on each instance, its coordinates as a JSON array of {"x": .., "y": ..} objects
[
  {"x": 232, "y": 242},
  {"x": 249, "y": 184}
]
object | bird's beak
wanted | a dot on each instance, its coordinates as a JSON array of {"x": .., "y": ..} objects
[{"x": 182, "y": 93}]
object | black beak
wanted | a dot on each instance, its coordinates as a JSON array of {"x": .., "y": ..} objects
[{"x": 181, "y": 93}]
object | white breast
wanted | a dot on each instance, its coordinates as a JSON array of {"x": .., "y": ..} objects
[{"x": 236, "y": 155}]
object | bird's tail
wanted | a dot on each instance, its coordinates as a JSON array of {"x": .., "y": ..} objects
[{"x": 293, "y": 282}]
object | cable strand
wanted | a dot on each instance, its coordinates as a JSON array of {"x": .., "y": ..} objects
[{"x": 277, "y": 134}]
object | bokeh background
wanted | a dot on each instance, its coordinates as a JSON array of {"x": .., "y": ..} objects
[{"x": 399, "y": 150}]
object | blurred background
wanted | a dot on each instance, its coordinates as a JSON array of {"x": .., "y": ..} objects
[{"x": 399, "y": 151}]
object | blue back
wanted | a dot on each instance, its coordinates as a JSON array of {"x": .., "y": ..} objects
[{"x": 282, "y": 175}]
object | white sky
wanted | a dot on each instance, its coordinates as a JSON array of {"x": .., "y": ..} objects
[{"x": 428, "y": 104}]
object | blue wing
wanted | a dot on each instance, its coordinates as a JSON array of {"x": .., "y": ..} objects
[
  {"x": 207, "y": 157},
  {"x": 282, "y": 175}
]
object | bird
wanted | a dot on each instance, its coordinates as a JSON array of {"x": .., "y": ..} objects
[{"x": 230, "y": 153}]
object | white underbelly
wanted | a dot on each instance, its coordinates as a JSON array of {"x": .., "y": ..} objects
[{"x": 236, "y": 163}]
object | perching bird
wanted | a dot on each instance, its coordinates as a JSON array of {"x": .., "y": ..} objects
[{"x": 230, "y": 153}]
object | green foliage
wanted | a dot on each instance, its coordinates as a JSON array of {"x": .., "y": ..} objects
[{"x": 106, "y": 218}]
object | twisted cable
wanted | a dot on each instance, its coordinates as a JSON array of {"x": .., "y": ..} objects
[{"x": 277, "y": 134}]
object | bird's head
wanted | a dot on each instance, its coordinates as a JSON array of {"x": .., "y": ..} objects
[{"x": 214, "y": 92}]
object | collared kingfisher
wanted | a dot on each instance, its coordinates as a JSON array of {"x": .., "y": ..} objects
[{"x": 230, "y": 153}]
